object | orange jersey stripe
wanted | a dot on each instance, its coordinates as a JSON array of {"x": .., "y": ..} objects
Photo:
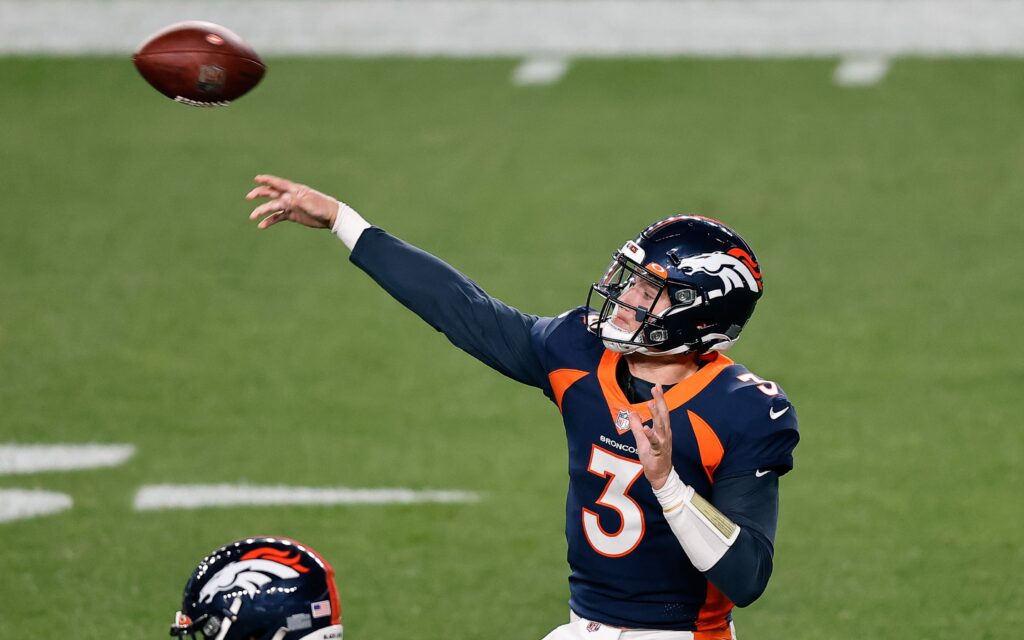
[
  {"x": 561, "y": 380},
  {"x": 713, "y": 615},
  {"x": 710, "y": 447}
]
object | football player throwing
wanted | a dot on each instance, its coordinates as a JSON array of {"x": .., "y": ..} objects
[{"x": 675, "y": 451}]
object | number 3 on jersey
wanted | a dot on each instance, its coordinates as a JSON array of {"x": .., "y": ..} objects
[{"x": 621, "y": 473}]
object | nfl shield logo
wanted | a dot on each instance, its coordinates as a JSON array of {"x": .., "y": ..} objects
[
  {"x": 622, "y": 421},
  {"x": 593, "y": 626}
]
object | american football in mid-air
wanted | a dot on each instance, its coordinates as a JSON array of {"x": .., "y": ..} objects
[{"x": 199, "y": 63}]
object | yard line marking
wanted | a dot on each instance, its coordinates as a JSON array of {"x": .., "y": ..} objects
[
  {"x": 22, "y": 504},
  {"x": 540, "y": 71},
  {"x": 33, "y": 458},
  {"x": 199, "y": 496},
  {"x": 861, "y": 71}
]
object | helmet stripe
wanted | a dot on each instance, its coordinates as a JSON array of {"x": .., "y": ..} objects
[{"x": 332, "y": 589}]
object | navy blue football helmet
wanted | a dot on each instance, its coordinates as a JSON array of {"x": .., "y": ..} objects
[
  {"x": 704, "y": 270},
  {"x": 260, "y": 589}
]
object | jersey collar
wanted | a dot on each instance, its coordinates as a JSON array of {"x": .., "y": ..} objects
[{"x": 675, "y": 397}]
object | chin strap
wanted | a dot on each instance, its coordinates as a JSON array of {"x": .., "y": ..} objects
[{"x": 623, "y": 342}]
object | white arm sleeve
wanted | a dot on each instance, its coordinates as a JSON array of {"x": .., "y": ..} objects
[
  {"x": 704, "y": 532},
  {"x": 349, "y": 225}
]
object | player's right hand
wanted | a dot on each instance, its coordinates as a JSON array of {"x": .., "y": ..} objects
[{"x": 291, "y": 201}]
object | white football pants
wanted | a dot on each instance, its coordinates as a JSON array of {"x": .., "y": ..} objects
[{"x": 583, "y": 629}]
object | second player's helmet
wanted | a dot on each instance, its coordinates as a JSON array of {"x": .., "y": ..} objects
[
  {"x": 261, "y": 588},
  {"x": 705, "y": 270}
]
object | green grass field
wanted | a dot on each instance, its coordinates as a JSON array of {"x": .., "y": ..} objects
[{"x": 138, "y": 305}]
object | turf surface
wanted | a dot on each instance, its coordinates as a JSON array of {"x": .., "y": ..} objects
[{"x": 138, "y": 305}]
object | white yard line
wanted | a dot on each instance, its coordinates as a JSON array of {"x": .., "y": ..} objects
[
  {"x": 197, "y": 496},
  {"x": 540, "y": 71},
  {"x": 861, "y": 71},
  {"x": 520, "y": 28},
  {"x": 19, "y": 504},
  {"x": 33, "y": 458}
]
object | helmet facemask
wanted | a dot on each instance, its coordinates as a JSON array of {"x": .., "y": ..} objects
[
  {"x": 206, "y": 626},
  {"x": 655, "y": 332},
  {"x": 209, "y": 627}
]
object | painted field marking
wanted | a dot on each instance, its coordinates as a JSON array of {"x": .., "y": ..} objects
[
  {"x": 861, "y": 71},
  {"x": 540, "y": 71},
  {"x": 21, "y": 504},
  {"x": 199, "y": 496},
  {"x": 33, "y": 458}
]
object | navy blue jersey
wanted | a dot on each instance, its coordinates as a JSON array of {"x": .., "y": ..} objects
[
  {"x": 628, "y": 568},
  {"x": 733, "y": 434}
]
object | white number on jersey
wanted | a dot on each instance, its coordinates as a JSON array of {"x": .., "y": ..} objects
[
  {"x": 767, "y": 387},
  {"x": 621, "y": 473}
]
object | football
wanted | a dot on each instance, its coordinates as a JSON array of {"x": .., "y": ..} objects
[{"x": 199, "y": 63}]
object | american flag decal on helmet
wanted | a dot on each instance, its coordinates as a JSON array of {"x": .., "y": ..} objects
[{"x": 321, "y": 609}]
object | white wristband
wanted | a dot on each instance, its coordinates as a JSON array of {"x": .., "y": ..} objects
[
  {"x": 349, "y": 225},
  {"x": 673, "y": 494},
  {"x": 703, "y": 531}
]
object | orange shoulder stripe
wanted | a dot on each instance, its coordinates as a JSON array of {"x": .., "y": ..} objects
[{"x": 561, "y": 380}]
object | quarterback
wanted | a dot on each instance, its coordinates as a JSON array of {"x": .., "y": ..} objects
[{"x": 675, "y": 451}]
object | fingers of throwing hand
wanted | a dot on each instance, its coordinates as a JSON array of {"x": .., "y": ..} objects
[
  {"x": 274, "y": 182},
  {"x": 273, "y": 219},
  {"x": 659, "y": 411},
  {"x": 263, "y": 192},
  {"x": 268, "y": 207}
]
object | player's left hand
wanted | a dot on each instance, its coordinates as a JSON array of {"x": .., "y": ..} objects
[{"x": 654, "y": 443}]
